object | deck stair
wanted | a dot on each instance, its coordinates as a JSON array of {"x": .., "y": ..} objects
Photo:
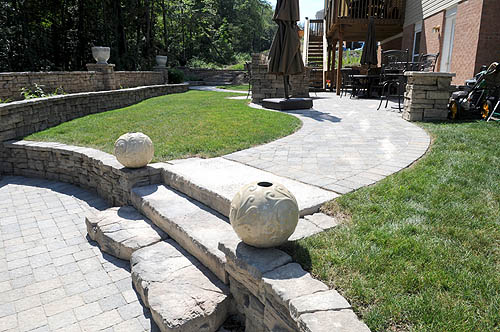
[{"x": 314, "y": 53}]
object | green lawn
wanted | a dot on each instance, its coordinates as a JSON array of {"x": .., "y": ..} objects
[
  {"x": 420, "y": 251},
  {"x": 196, "y": 123},
  {"x": 243, "y": 87}
]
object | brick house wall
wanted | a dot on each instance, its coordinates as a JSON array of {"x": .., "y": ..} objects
[
  {"x": 488, "y": 48},
  {"x": 465, "y": 45},
  {"x": 430, "y": 42},
  {"x": 476, "y": 42},
  {"x": 408, "y": 32}
]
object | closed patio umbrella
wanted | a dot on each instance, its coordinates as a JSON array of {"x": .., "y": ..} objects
[
  {"x": 369, "y": 55},
  {"x": 285, "y": 58}
]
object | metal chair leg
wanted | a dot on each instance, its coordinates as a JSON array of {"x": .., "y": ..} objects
[{"x": 381, "y": 97}]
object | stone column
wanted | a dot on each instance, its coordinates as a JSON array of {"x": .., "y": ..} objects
[
  {"x": 108, "y": 74},
  {"x": 265, "y": 85},
  {"x": 426, "y": 96},
  {"x": 164, "y": 71}
]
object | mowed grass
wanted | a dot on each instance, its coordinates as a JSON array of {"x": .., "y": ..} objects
[
  {"x": 196, "y": 123},
  {"x": 242, "y": 87},
  {"x": 420, "y": 251}
]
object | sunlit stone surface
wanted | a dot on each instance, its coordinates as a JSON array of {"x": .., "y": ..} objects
[
  {"x": 134, "y": 150},
  {"x": 264, "y": 214}
]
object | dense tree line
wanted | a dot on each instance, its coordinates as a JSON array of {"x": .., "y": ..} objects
[{"x": 59, "y": 34}]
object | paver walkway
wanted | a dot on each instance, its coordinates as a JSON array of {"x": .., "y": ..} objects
[
  {"x": 344, "y": 144},
  {"x": 51, "y": 277}
]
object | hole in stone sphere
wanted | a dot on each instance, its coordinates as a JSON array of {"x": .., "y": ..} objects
[{"x": 264, "y": 184}]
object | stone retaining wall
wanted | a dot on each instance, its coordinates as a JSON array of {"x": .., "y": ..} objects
[
  {"x": 74, "y": 82},
  {"x": 274, "y": 294},
  {"x": 265, "y": 85},
  {"x": 426, "y": 96},
  {"x": 131, "y": 79},
  {"x": 212, "y": 76},
  {"x": 21, "y": 118},
  {"x": 88, "y": 168}
]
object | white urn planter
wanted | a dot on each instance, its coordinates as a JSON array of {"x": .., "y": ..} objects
[
  {"x": 101, "y": 54},
  {"x": 134, "y": 150},
  {"x": 161, "y": 61},
  {"x": 264, "y": 214}
]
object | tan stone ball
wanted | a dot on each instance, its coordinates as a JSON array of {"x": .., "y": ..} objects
[
  {"x": 264, "y": 214},
  {"x": 134, "y": 150}
]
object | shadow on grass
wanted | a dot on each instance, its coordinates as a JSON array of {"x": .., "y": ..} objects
[{"x": 299, "y": 253}]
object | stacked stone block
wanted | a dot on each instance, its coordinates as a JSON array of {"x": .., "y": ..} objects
[
  {"x": 88, "y": 168},
  {"x": 426, "y": 96},
  {"x": 265, "y": 85},
  {"x": 75, "y": 82},
  {"x": 271, "y": 293},
  {"x": 21, "y": 118},
  {"x": 215, "y": 76}
]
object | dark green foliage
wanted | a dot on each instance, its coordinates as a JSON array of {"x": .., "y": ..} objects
[
  {"x": 58, "y": 35},
  {"x": 175, "y": 76}
]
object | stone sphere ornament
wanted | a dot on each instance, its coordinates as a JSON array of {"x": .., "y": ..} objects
[
  {"x": 134, "y": 150},
  {"x": 264, "y": 214}
]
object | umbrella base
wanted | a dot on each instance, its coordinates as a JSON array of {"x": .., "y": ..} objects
[{"x": 282, "y": 104}]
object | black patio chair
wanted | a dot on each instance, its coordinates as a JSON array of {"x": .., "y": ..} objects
[
  {"x": 392, "y": 79},
  {"x": 427, "y": 62},
  {"x": 349, "y": 83}
]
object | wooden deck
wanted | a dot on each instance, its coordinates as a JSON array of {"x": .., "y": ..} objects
[
  {"x": 347, "y": 21},
  {"x": 350, "y": 18}
]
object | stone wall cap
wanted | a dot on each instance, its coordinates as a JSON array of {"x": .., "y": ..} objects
[
  {"x": 429, "y": 74},
  {"x": 255, "y": 261}
]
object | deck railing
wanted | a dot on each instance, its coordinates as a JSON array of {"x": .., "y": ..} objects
[
  {"x": 316, "y": 28},
  {"x": 353, "y": 10}
]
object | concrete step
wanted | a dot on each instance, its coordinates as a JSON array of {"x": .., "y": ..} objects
[
  {"x": 182, "y": 294},
  {"x": 197, "y": 228},
  {"x": 214, "y": 182},
  {"x": 122, "y": 230}
]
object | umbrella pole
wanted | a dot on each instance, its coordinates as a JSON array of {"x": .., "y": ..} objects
[{"x": 285, "y": 82}]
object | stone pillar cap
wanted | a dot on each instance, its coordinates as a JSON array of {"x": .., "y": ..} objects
[{"x": 429, "y": 74}]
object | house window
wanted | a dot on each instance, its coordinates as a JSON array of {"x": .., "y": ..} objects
[{"x": 416, "y": 41}]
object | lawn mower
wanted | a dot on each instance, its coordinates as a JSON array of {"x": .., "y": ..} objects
[{"x": 479, "y": 101}]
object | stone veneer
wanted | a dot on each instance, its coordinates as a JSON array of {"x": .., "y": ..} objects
[
  {"x": 76, "y": 81},
  {"x": 426, "y": 96},
  {"x": 21, "y": 118},
  {"x": 274, "y": 294},
  {"x": 215, "y": 76},
  {"x": 88, "y": 168},
  {"x": 265, "y": 85}
]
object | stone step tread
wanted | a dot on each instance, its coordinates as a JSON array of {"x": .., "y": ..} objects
[
  {"x": 197, "y": 228},
  {"x": 182, "y": 294},
  {"x": 214, "y": 182},
  {"x": 122, "y": 230}
]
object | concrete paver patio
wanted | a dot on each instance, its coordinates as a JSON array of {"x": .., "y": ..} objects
[
  {"x": 344, "y": 144},
  {"x": 51, "y": 277}
]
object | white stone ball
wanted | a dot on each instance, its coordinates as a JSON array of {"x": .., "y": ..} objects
[
  {"x": 264, "y": 214},
  {"x": 134, "y": 150}
]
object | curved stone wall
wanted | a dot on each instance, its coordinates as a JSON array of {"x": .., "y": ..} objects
[
  {"x": 88, "y": 168},
  {"x": 21, "y": 118}
]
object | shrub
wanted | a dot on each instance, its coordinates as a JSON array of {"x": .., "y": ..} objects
[
  {"x": 38, "y": 92},
  {"x": 175, "y": 76}
]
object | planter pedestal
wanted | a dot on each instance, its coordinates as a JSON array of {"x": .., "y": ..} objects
[
  {"x": 163, "y": 70},
  {"x": 108, "y": 71}
]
